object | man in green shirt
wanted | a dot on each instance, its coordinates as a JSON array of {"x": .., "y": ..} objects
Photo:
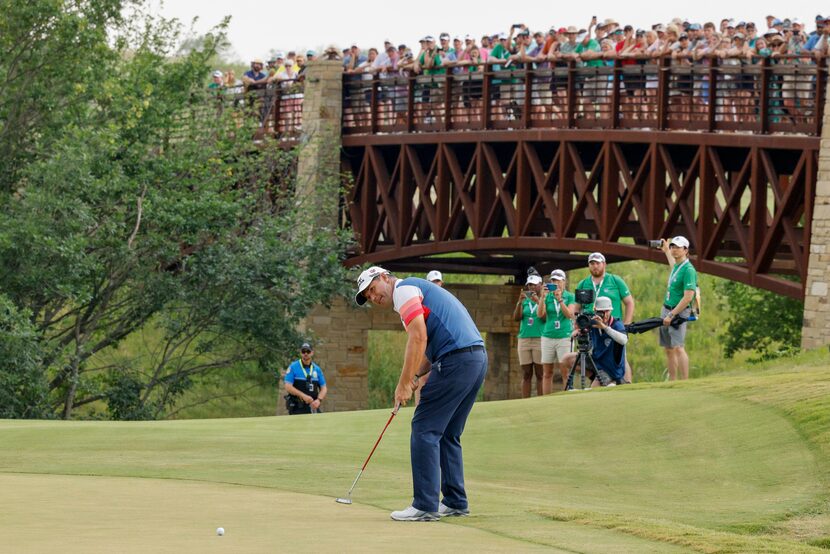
[
  {"x": 557, "y": 308},
  {"x": 680, "y": 293},
  {"x": 612, "y": 286}
]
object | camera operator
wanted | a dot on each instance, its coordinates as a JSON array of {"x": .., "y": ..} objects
[
  {"x": 611, "y": 286},
  {"x": 680, "y": 294},
  {"x": 608, "y": 340},
  {"x": 530, "y": 334}
]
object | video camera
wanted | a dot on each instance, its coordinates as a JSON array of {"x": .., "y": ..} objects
[{"x": 584, "y": 320}]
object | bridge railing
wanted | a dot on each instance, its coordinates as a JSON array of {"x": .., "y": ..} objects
[
  {"x": 779, "y": 95},
  {"x": 276, "y": 109}
]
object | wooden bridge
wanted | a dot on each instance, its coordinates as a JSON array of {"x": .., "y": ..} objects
[{"x": 493, "y": 171}]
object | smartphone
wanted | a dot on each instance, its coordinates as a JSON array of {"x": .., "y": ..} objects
[
  {"x": 655, "y": 243},
  {"x": 551, "y": 286},
  {"x": 528, "y": 294}
]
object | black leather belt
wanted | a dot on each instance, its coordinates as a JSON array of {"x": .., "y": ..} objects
[{"x": 474, "y": 348}]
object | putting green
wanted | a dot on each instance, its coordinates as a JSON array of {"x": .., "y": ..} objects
[
  {"x": 106, "y": 514},
  {"x": 637, "y": 469}
]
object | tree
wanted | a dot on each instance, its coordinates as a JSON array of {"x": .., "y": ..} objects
[{"x": 152, "y": 211}]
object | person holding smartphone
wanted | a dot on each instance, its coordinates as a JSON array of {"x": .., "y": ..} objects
[
  {"x": 557, "y": 307},
  {"x": 530, "y": 334}
]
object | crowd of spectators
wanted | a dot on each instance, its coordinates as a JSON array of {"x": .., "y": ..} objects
[
  {"x": 602, "y": 44},
  {"x": 592, "y": 47}
]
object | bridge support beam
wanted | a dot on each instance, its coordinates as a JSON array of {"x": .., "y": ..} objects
[{"x": 815, "y": 329}]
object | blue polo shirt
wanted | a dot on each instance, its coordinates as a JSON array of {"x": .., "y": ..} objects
[
  {"x": 255, "y": 76},
  {"x": 449, "y": 325},
  {"x": 296, "y": 372}
]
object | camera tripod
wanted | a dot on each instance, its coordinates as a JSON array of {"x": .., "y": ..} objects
[{"x": 582, "y": 360}]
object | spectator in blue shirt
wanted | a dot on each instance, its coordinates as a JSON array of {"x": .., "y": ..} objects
[{"x": 255, "y": 78}]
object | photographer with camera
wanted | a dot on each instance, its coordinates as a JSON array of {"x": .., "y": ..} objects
[
  {"x": 557, "y": 307},
  {"x": 680, "y": 295},
  {"x": 613, "y": 287},
  {"x": 530, "y": 334},
  {"x": 607, "y": 338}
]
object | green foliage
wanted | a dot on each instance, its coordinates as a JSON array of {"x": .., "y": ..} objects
[
  {"x": 386, "y": 351},
  {"x": 53, "y": 56},
  {"x": 151, "y": 208},
  {"x": 23, "y": 385},
  {"x": 766, "y": 323}
]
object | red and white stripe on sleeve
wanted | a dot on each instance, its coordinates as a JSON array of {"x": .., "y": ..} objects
[{"x": 408, "y": 302}]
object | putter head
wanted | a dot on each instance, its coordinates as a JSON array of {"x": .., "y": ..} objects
[{"x": 343, "y": 500}]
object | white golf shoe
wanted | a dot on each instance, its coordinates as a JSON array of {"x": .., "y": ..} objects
[
  {"x": 413, "y": 514},
  {"x": 446, "y": 511}
]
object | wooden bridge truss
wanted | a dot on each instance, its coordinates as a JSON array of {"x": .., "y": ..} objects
[{"x": 500, "y": 201}]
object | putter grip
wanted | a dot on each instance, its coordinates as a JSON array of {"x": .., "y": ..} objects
[{"x": 397, "y": 407}]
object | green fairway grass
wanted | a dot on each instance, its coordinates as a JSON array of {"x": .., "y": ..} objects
[{"x": 732, "y": 463}]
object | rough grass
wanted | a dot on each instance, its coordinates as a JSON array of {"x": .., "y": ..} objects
[{"x": 732, "y": 463}]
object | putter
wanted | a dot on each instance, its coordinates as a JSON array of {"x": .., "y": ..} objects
[{"x": 348, "y": 498}]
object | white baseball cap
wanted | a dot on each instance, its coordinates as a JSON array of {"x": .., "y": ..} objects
[
  {"x": 680, "y": 241},
  {"x": 534, "y": 280},
  {"x": 365, "y": 280},
  {"x": 596, "y": 257},
  {"x": 557, "y": 275},
  {"x": 434, "y": 275},
  {"x": 602, "y": 303}
]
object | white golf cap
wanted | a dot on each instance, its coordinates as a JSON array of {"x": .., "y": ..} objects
[
  {"x": 557, "y": 275},
  {"x": 681, "y": 241},
  {"x": 602, "y": 303},
  {"x": 217, "y": 73},
  {"x": 365, "y": 280},
  {"x": 434, "y": 275},
  {"x": 596, "y": 257},
  {"x": 534, "y": 280}
]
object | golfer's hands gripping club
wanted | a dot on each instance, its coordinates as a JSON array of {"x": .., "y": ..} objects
[{"x": 403, "y": 393}]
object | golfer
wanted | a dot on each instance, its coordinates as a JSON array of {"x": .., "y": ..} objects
[{"x": 441, "y": 338}]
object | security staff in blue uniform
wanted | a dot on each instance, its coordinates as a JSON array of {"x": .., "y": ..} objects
[
  {"x": 442, "y": 339},
  {"x": 305, "y": 384}
]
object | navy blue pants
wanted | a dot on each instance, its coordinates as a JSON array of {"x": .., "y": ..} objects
[{"x": 435, "y": 443}]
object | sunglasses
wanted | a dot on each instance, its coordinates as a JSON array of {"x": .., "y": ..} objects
[{"x": 306, "y": 351}]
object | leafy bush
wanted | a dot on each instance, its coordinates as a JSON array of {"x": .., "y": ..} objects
[
  {"x": 763, "y": 322},
  {"x": 23, "y": 386}
]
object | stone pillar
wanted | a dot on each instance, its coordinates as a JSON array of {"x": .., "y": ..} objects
[
  {"x": 815, "y": 330},
  {"x": 318, "y": 166},
  {"x": 340, "y": 336}
]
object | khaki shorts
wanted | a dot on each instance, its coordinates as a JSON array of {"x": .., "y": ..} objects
[
  {"x": 530, "y": 351},
  {"x": 554, "y": 350}
]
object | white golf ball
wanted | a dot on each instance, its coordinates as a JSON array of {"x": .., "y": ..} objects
[{"x": 220, "y": 531}]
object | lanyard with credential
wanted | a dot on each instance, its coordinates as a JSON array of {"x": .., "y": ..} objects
[
  {"x": 675, "y": 270},
  {"x": 310, "y": 372},
  {"x": 597, "y": 288}
]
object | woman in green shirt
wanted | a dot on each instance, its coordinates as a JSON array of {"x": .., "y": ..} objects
[
  {"x": 557, "y": 307},
  {"x": 530, "y": 333}
]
